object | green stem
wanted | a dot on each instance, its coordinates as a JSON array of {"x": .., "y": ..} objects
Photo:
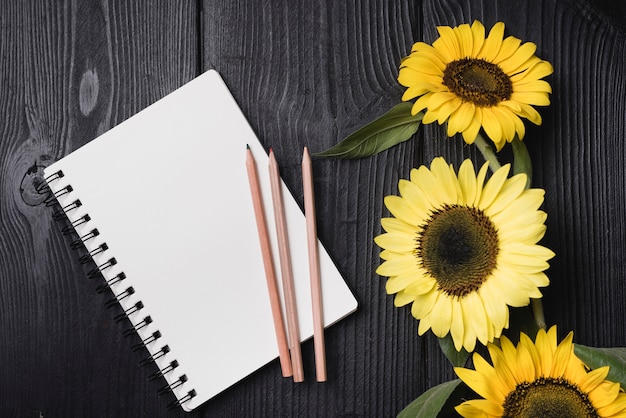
[
  {"x": 521, "y": 160},
  {"x": 537, "y": 307},
  {"x": 487, "y": 152}
]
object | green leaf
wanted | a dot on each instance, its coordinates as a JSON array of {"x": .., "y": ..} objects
[
  {"x": 457, "y": 358},
  {"x": 614, "y": 357},
  {"x": 521, "y": 160},
  {"x": 430, "y": 403},
  {"x": 392, "y": 128}
]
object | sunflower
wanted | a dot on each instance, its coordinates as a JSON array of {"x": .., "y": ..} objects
[
  {"x": 461, "y": 252},
  {"x": 471, "y": 82},
  {"x": 539, "y": 379}
]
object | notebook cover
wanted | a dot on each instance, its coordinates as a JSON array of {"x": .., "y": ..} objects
[{"x": 168, "y": 192}]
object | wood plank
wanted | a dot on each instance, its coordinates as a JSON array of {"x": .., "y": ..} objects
[
  {"x": 578, "y": 155},
  {"x": 310, "y": 75},
  {"x": 304, "y": 74},
  {"x": 70, "y": 72}
]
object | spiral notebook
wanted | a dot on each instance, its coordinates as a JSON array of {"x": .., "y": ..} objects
[{"x": 162, "y": 203}]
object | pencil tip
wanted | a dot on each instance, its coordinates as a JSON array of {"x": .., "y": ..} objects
[{"x": 247, "y": 146}]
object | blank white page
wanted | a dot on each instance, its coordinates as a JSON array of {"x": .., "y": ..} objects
[{"x": 168, "y": 191}]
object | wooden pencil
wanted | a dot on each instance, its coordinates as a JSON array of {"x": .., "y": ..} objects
[
  {"x": 270, "y": 274},
  {"x": 286, "y": 271},
  {"x": 314, "y": 267}
]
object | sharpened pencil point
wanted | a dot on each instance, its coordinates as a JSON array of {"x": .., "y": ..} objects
[{"x": 247, "y": 146}]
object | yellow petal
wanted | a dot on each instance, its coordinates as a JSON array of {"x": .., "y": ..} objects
[
  {"x": 593, "y": 379},
  {"x": 519, "y": 127},
  {"x": 530, "y": 234},
  {"x": 456, "y": 325},
  {"x": 534, "y": 354},
  {"x": 525, "y": 364},
  {"x": 511, "y": 190},
  {"x": 478, "y": 32},
  {"x": 415, "y": 198},
  {"x": 508, "y": 48},
  {"x": 446, "y": 177},
  {"x": 538, "y": 86},
  {"x": 465, "y": 39},
  {"x": 528, "y": 255},
  {"x": 476, "y": 382},
  {"x": 531, "y": 98},
  {"x": 423, "y": 304},
  {"x": 412, "y": 92},
  {"x": 530, "y": 113},
  {"x": 446, "y": 109},
  {"x": 615, "y": 409},
  {"x": 521, "y": 55},
  {"x": 423, "y": 286},
  {"x": 424, "y": 64},
  {"x": 400, "y": 265},
  {"x": 530, "y": 200},
  {"x": 471, "y": 132},
  {"x": 461, "y": 118},
  {"x": 539, "y": 70},
  {"x": 480, "y": 181},
  {"x": 545, "y": 353},
  {"x": 505, "y": 116},
  {"x": 492, "y": 44},
  {"x": 467, "y": 181},
  {"x": 409, "y": 77},
  {"x": 448, "y": 40},
  {"x": 497, "y": 311},
  {"x": 561, "y": 356},
  {"x": 499, "y": 389},
  {"x": 424, "y": 50},
  {"x": 402, "y": 299},
  {"x": 421, "y": 103},
  {"x": 441, "y": 316},
  {"x": 473, "y": 306},
  {"x": 396, "y": 241},
  {"x": 502, "y": 368},
  {"x": 493, "y": 186},
  {"x": 397, "y": 283},
  {"x": 398, "y": 208},
  {"x": 469, "y": 409},
  {"x": 397, "y": 225},
  {"x": 431, "y": 187},
  {"x": 492, "y": 125},
  {"x": 439, "y": 98}
]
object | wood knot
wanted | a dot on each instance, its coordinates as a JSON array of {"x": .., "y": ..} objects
[
  {"x": 88, "y": 92},
  {"x": 32, "y": 180}
]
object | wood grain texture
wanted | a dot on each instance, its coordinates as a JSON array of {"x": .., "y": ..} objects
[
  {"x": 70, "y": 71},
  {"x": 578, "y": 155},
  {"x": 335, "y": 70},
  {"x": 304, "y": 73}
]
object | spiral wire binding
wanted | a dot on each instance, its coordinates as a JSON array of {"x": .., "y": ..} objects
[
  {"x": 181, "y": 379},
  {"x": 62, "y": 214},
  {"x": 116, "y": 279},
  {"x": 146, "y": 321},
  {"x": 186, "y": 398},
  {"x": 80, "y": 242},
  {"x": 154, "y": 357},
  {"x": 135, "y": 308}
]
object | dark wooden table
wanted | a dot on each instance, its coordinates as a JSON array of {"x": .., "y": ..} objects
[{"x": 304, "y": 73}]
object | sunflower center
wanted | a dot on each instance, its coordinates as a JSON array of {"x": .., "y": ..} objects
[
  {"x": 548, "y": 397},
  {"x": 478, "y": 81},
  {"x": 458, "y": 246}
]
